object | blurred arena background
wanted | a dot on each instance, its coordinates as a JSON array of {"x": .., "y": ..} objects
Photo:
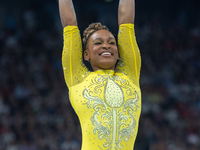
[{"x": 35, "y": 113}]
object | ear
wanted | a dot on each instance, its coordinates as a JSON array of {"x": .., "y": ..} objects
[{"x": 86, "y": 55}]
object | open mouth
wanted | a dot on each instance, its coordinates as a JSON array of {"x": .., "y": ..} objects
[{"x": 106, "y": 54}]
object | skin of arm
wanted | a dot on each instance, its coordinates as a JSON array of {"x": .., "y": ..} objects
[
  {"x": 126, "y": 11},
  {"x": 67, "y": 13}
]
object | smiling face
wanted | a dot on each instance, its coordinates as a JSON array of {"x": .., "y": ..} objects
[{"x": 101, "y": 50}]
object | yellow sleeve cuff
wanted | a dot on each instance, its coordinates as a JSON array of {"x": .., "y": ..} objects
[
  {"x": 70, "y": 28},
  {"x": 128, "y": 25}
]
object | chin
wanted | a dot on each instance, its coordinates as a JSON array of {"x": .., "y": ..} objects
[
  {"x": 104, "y": 65},
  {"x": 108, "y": 66}
]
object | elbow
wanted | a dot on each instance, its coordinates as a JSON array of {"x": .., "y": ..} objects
[
  {"x": 125, "y": 20},
  {"x": 69, "y": 22},
  {"x": 125, "y": 15}
]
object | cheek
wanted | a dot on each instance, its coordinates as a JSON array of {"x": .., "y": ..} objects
[
  {"x": 93, "y": 50},
  {"x": 115, "y": 49}
]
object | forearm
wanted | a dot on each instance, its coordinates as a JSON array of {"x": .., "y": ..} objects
[
  {"x": 67, "y": 13},
  {"x": 126, "y": 11}
]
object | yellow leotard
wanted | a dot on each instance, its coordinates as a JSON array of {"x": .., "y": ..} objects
[{"x": 107, "y": 102}]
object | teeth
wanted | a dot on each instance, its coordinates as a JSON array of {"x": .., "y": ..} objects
[{"x": 106, "y": 53}]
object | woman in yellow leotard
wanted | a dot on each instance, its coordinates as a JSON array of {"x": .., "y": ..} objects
[{"x": 107, "y": 100}]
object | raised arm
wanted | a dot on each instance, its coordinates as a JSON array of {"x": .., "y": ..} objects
[
  {"x": 67, "y": 13},
  {"x": 130, "y": 60},
  {"x": 126, "y": 11}
]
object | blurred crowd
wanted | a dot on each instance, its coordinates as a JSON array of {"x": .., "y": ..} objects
[{"x": 35, "y": 112}]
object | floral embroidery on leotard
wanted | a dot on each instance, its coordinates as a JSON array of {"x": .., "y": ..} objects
[{"x": 113, "y": 117}]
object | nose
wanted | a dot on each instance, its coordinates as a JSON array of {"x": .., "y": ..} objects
[{"x": 106, "y": 45}]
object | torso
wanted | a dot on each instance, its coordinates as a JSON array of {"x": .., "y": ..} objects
[{"x": 108, "y": 105}]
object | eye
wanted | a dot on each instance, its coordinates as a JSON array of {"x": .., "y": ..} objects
[
  {"x": 97, "y": 43},
  {"x": 112, "y": 43}
]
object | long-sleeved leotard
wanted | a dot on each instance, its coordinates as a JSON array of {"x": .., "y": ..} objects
[{"x": 107, "y": 102}]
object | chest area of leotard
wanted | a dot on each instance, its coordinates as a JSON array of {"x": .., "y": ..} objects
[
  {"x": 108, "y": 107},
  {"x": 110, "y": 90}
]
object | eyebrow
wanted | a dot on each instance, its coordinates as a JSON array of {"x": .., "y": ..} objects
[{"x": 110, "y": 38}]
